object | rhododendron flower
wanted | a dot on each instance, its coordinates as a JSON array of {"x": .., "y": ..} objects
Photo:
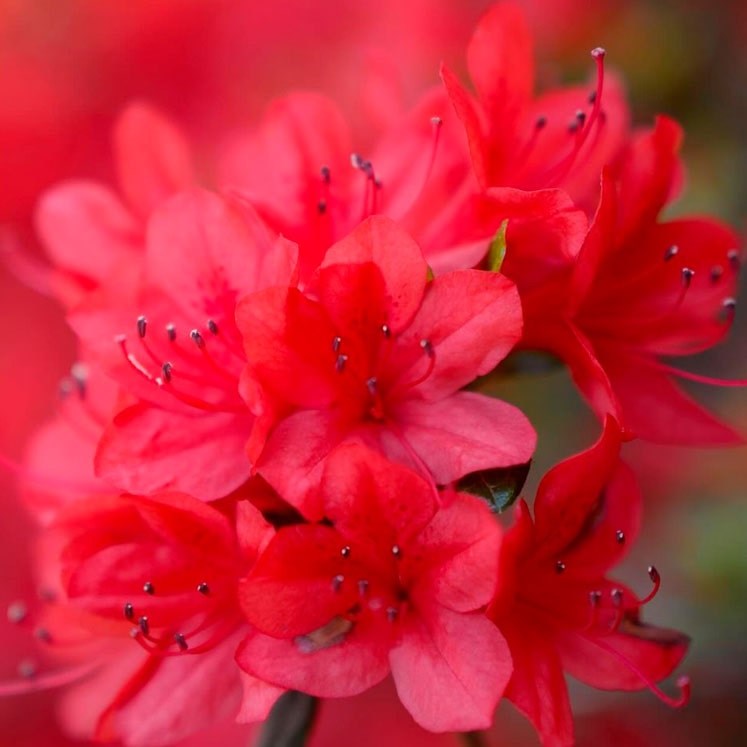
[
  {"x": 176, "y": 351},
  {"x": 642, "y": 290},
  {"x": 148, "y": 597},
  {"x": 390, "y": 582},
  {"x": 561, "y": 139},
  {"x": 380, "y": 356},
  {"x": 555, "y": 605}
]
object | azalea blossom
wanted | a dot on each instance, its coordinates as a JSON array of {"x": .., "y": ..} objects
[
  {"x": 380, "y": 356},
  {"x": 555, "y": 605},
  {"x": 393, "y": 582}
]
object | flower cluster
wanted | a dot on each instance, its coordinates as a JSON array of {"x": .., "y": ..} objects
[{"x": 270, "y": 472}]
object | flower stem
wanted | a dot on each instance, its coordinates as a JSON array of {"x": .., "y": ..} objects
[{"x": 290, "y": 721}]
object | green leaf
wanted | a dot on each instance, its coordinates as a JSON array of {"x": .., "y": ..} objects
[
  {"x": 499, "y": 487},
  {"x": 289, "y": 722},
  {"x": 497, "y": 250}
]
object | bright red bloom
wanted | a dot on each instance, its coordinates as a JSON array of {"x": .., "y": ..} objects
[
  {"x": 380, "y": 356},
  {"x": 555, "y": 605},
  {"x": 395, "y": 583},
  {"x": 642, "y": 290},
  {"x": 160, "y": 572},
  {"x": 561, "y": 139}
]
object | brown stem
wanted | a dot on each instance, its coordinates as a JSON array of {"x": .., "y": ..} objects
[{"x": 290, "y": 721}]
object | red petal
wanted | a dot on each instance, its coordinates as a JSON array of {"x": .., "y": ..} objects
[
  {"x": 369, "y": 498},
  {"x": 472, "y": 320},
  {"x": 290, "y": 590},
  {"x": 457, "y": 555},
  {"x": 570, "y": 491},
  {"x": 463, "y": 659},
  {"x": 87, "y": 230},
  {"x": 392, "y": 295},
  {"x": 343, "y": 669},
  {"x": 144, "y": 450},
  {"x": 153, "y": 158},
  {"x": 465, "y": 433},
  {"x": 537, "y": 687},
  {"x": 258, "y": 699}
]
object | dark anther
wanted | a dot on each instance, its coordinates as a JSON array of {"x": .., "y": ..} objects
[
  {"x": 17, "y": 612},
  {"x": 361, "y": 163},
  {"x": 595, "y": 597},
  {"x": 672, "y": 251},
  {"x": 340, "y": 363},
  {"x": 427, "y": 347},
  {"x": 573, "y": 126},
  {"x": 171, "y": 332},
  {"x": 203, "y": 588},
  {"x": 79, "y": 375},
  {"x": 142, "y": 623},
  {"x": 436, "y": 121},
  {"x": 345, "y": 552},
  {"x": 180, "y": 641},
  {"x": 336, "y": 342},
  {"x": 592, "y": 97},
  {"x": 386, "y": 331},
  {"x": 362, "y": 587},
  {"x": 371, "y": 385},
  {"x": 728, "y": 308},
  {"x": 396, "y": 551},
  {"x": 620, "y": 536},
  {"x": 337, "y": 582},
  {"x": 212, "y": 327},
  {"x": 716, "y": 272},
  {"x": 733, "y": 256},
  {"x": 166, "y": 371},
  {"x": 617, "y": 596},
  {"x": 580, "y": 117},
  {"x": 653, "y": 574},
  {"x": 197, "y": 338},
  {"x": 321, "y": 207},
  {"x": 325, "y": 174},
  {"x": 148, "y": 588},
  {"x": 142, "y": 325},
  {"x": 541, "y": 123},
  {"x": 42, "y": 634},
  {"x": 391, "y": 614},
  {"x": 559, "y": 566},
  {"x": 598, "y": 52},
  {"x": 129, "y": 611},
  {"x": 27, "y": 669},
  {"x": 687, "y": 276}
]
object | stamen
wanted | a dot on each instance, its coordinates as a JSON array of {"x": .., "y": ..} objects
[
  {"x": 142, "y": 326},
  {"x": 180, "y": 641},
  {"x": 148, "y": 588},
  {"x": 121, "y": 340},
  {"x": 733, "y": 256},
  {"x": 321, "y": 207},
  {"x": 27, "y": 669},
  {"x": 203, "y": 588},
  {"x": 687, "y": 276},
  {"x": 17, "y": 612},
  {"x": 671, "y": 252},
  {"x": 336, "y": 342},
  {"x": 142, "y": 623},
  {"x": 386, "y": 331},
  {"x": 595, "y": 597},
  {"x": 129, "y": 611},
  {"x": 363, "y": 587},
  {"x": 559, "y": 566},
  {"x": 171, "y": 332},
  {"x": 337, "y": 582},
  {"x": 391, "y": 614},
  {"x": 710, "y": 380},
  {"x": 340, "y": 363},
  {"x": 653, "y": 574},
  {"x": 325, "y": 174},
  {"x": 345, "y": 552},
  {"x": 212, "y": 327},
  {"x": 42, "y": 634},
  {"x": 396, "y": 551},
  {"x": 716, "y": 272},
  {"x": 728, "y": 310},
  {"x": 371, "y": 385},
  {"x": 197, "y": 339},
  {"x": 620, "y": 536},
  {"x": 166, "y": 369}
]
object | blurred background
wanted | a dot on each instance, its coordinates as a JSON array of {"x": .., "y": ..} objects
[{"x": 67, "y": 67}]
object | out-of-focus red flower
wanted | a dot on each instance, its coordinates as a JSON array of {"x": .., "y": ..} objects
[
  {"x": 394, "y": 584},
  {"x": 560, "y": 139},
  {"x": 555, "y": 605},
  {"x": 146, "y": 600},
  {"x": 380, "y": 356},
  {"x": 641, "y": 290}
]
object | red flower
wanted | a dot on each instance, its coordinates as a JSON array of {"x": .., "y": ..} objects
[
  {"x": 563, "y": 138},
  {"x": 555, "y": 605},
  {"x": 182, "y": 423},
  {"x": 641, "y": 290},
  {"x": 148, "y": 598},
  {"x": 394, "y": 583},
  {"x": 380, "y": 356}
]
